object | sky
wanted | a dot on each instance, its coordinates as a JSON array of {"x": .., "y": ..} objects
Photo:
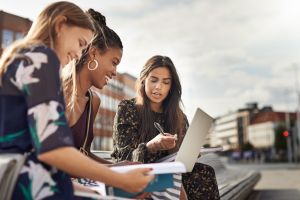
[{"x": 227, "y": 53}]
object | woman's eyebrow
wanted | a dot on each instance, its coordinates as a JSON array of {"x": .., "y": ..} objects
[{"x": 169, "y": 78}]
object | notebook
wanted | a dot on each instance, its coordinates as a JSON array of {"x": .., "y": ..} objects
[
  {"x": 193, "y": 141},
  {"x": 163, "y": 179}
]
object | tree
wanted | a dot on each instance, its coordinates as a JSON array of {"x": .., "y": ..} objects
[
  {"x": 247, "y": 146},
  {"x": 280, "y": 140}
]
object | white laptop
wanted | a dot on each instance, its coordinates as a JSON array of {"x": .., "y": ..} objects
[{"x": 193, "y": 141}]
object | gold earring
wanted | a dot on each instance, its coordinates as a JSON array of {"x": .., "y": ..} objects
[{"x": 90, "y": 63}]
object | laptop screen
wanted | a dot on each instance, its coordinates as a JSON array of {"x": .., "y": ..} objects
[{"x": 194, "y": 139}]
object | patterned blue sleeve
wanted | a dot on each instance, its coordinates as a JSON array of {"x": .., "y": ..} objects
[{"x": 37, "y": 77}]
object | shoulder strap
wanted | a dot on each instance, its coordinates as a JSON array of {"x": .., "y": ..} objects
[{"x": 88, "y": 122}]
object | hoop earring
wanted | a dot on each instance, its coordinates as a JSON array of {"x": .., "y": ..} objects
[{"x": 89, "y": 65}]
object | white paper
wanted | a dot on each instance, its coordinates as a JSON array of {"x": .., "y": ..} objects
[{"x": 157, "y": 168}]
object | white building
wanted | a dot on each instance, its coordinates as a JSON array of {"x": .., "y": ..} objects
[
  {"x": 231, "y": 130},
  {"x": 262, "y": 135},
  {"x": 225, "y": 131},
  {"x": 263, "y": 126}
]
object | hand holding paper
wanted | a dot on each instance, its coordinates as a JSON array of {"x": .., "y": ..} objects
[
  {"x": 137, "y": 179},
  {"x": 163, "y": 177}
]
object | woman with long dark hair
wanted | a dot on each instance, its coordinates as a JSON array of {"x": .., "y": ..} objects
[{"x": 158, "y": 100}]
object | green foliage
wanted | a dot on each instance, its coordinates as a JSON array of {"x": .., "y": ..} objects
[
  {"x": 247, "y": 146},
  {"x": 206, "y": 145},
  {"x": 280, "y": 140}
]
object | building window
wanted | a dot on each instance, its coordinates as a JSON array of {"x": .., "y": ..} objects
[
  {"x": 115, "y": 85},
  {"x": 108, "y": 102},
  {"x": 19, "y": 36},
  {"x": 128, "y": 91},
  {"x": 7, "y": 38}
]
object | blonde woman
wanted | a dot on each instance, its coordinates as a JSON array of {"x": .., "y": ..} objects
[{"x": 32, "y": 109}]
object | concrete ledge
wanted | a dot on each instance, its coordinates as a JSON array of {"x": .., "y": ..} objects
[{"x": 233, "y": 184}]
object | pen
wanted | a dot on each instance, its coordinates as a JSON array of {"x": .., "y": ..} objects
[{"x": 159, "y": 128}]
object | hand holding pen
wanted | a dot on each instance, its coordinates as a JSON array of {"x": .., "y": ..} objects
[
  {"x": 161, "y": 130},
  {"x": 163, "y": 141}
]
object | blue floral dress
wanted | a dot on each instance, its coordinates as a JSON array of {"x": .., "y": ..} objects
[{"x": 32, "y": 118}]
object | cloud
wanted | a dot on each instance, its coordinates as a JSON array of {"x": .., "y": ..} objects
[{"x": 227, "y": 53}]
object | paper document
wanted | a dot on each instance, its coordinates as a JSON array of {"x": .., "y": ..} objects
[{"x": 158, "y": 168}]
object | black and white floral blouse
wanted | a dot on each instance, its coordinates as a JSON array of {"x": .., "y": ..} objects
[
  {"x": 32, "y": 118},
  {"x": 199, "y": 184},
  {"x": 126, "y": 135}
]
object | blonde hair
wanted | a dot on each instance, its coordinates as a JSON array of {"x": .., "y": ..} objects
[
  {"x": 43, "y": 31},
  {"x": 68, "y": 77}
]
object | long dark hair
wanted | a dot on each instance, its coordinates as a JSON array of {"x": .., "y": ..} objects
[{"x": 171, "y": 105}]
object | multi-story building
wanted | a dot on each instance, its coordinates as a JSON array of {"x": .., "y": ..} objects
[
  {"x": 248, "y": 125},
  {"x": 12, "y": 27},
  {"x": 122, "y": 87},
  {"x": 230, "y": 130},
  {"x": 262, "y": 128}
]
